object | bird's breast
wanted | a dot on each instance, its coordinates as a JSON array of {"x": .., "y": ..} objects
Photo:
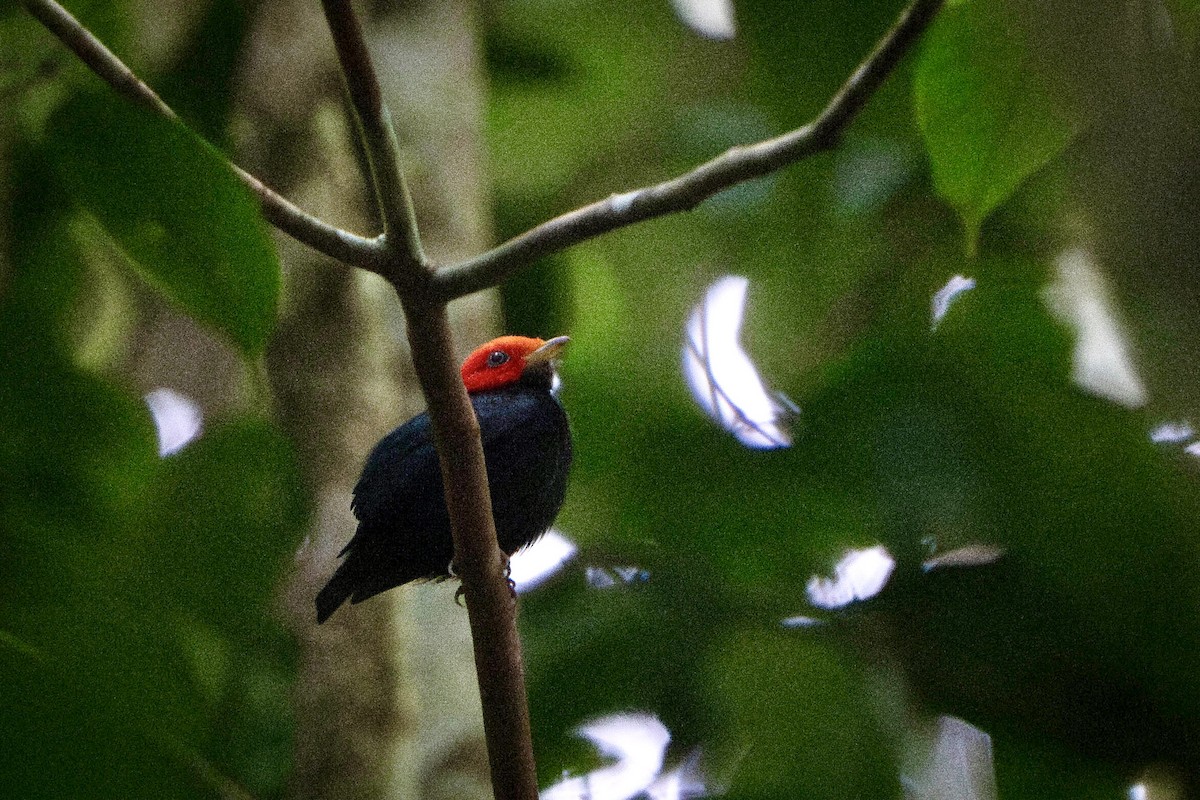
[{"x": 527, "y": 448}]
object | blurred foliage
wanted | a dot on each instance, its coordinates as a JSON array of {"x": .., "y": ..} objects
[
  {"x": 141, "y": 654},
  {"x": 1073, "y": 650},
  {"x": 194, "y": 231},
  {"x": 989, "y": 120}
]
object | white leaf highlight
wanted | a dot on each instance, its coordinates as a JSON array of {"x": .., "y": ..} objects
[
  {"x": 1103, "y": 364},
  {"x": 944, "y": 297},
  {"x": 638, "y": 743},
  {"x": 712, "y": 19},
  {"x": 859, "y": 575},
  {"x": 540, "y": 561},
  {"x": 177, "y": 418},
  {"x": 721, "y": 376},
  {"x": 1172, "y": 433},
  {"x": 958, "y": 764}
]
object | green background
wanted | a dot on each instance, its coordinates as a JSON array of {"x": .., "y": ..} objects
[{"x": 135, "y": 634}]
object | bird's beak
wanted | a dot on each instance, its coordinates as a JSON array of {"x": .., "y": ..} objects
[{"x": 548, "y": 351}]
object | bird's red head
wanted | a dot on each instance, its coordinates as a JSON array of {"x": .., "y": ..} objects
[{"x": 502, "y": 362}]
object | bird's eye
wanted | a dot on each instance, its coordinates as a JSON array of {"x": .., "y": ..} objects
[{"x": 496, "y": 358}]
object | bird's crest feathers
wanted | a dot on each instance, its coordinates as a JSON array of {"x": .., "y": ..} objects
[{"x": 502, "y": 361}]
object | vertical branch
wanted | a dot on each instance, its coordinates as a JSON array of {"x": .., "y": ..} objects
[
  {"x": 379, "y": 140},
  {"x": 490, "y": 605}
]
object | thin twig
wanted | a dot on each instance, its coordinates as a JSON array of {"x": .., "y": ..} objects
[
  {"x": 685, "y": 192},
  {"x": 378, "y": 137},
  {"x": 342, "y": 245}
]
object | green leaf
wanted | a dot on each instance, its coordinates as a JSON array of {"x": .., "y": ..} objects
[
  {"x": 200, "y": 85},
  {"x": 231, "y": 514},
  {"x": 176, "y": 209},
  {"x": 116, "y": 563},
  {"x": 103, "y": 684},
  {"x": 988, "y": 118},
  {"x": 762, "y": 682}
]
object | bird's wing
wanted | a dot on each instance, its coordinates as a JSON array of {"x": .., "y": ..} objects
[
  {"x": 402, "y": 472},
  {"x": 398, "y": 467}
]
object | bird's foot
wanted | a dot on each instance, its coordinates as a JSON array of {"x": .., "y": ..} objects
[
  {"x": 512, "y": 585},
  {"x": 461, "y": 592}
]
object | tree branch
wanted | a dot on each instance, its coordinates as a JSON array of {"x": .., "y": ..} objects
[
  {"x": 491, "y": 608},
  {"x": 378, "y": 137},
  {"x": 397, "y": 255},
  {"x": 683, "y": 193},
  {"x": 334, "y": 242}
]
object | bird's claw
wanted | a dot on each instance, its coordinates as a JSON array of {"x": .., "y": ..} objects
[
  {"x": 512, "y": 585},
  {"x": 461, "y": 592}
]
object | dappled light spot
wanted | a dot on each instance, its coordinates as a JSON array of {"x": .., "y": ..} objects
[
  {"x": 680, "y": 783},
  {"x": 801, "y": 621},
  {"x": 178, "y": 419},
  {"x": 971, "y": 555},
  {"x": 599, "y": 578},
  {"x": 1172, "y": 433},
  {"x": 859, "y": 575},
  {"x": 957, "y": 764},
  {"x": 1177, "y": 434},
  {"x": 608, "y": 577},
  {"x": 543, "y": 559},
  {"x": 945, "y": 297},
  {"x": 632, "y": 574},
  {"x": 712, "y": 19},
  {"x": 1161, "y": 782},
  {"x": 638, "y": 744},
  {"x": 721, "y": 376},
  {"x": 1103, "y": 364}
]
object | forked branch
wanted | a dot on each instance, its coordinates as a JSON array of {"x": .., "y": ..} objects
[
  {"x": 396, "y": 254},
  {"x": 342, "y": 245},
  {"x": 491, "y": 609},
  {"x": 685, "y": 192},
  {"x": 379, "y": 139},
  {"x": 682, "y": 193}
]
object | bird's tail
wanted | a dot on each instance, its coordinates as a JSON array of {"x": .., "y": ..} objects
[{"x": 336, "y": 592}]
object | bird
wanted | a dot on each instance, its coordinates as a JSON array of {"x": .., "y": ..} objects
[{"x": 403, "y": 530}]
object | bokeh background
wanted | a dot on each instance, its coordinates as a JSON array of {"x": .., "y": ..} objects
[{"x": 155, "y": 610}]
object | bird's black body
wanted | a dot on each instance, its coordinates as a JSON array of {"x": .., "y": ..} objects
[{"x": 404, "y": 528}]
